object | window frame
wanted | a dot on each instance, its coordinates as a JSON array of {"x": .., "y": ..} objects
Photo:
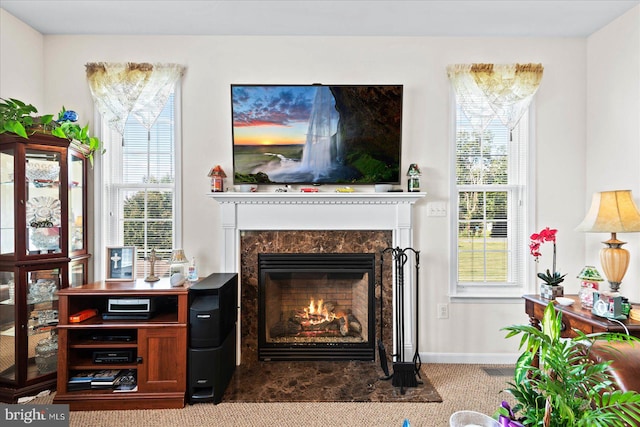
[
  {"x": 100, "y": 205},
  {"x": 494, "y": 291}
]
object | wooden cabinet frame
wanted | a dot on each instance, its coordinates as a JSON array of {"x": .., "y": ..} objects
[{"x": 159, "y": 347}]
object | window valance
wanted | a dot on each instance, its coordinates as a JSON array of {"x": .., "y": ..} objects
[
  {"x": 488, "y": 91},
  {"x": 123, "y": 89}
]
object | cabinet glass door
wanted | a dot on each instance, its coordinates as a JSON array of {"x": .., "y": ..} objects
[
  {"x": 42, "y": 319},
  {"x": 77, "y": 273},
  {"x": 76, "y": 203},
  {"x": 7, "y": 202},
  {"x": 7, "y": 326},
  {"x": 43, "y": 208}
]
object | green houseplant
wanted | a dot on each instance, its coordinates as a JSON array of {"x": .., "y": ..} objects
[
  {"x": 19, "y": 118},
  {"x": 565, "y": 387}
]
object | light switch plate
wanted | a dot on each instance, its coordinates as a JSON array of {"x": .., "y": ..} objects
[{"x": 436, "y": 209}]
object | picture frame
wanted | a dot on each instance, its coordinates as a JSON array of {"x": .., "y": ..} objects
[{"x": 121, "y": 263}]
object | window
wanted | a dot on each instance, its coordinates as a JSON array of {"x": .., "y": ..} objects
[
  {"x": 491, "y": 193},
  {"x": 140, "y": 178}
]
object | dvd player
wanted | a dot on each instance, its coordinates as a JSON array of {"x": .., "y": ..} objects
[
  {"x": 126, "y": 316},
  {"x": 130, "y": 305},
  {"x": 119, "y": 356},
  {"x": 112, "y": 337}
]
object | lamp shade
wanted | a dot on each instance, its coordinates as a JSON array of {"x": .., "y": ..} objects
[
  {"x": 611, "y": 212},
  {"x": 591, "y": 274}
]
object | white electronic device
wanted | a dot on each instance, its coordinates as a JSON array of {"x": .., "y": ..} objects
[
  {"x": 130, "y": 305},
  {"x": 607, "y": 304}
]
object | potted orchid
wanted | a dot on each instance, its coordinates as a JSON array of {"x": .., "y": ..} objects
[{"x": 551, "y": 278}]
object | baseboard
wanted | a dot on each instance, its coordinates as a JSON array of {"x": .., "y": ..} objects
[{"x": 470, "y": 358}]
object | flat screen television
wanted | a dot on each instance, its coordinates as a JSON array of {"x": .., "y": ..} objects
[{"x": 316, "y": 134}]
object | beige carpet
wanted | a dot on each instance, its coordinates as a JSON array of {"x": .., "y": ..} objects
[{"x": 462, "y": 387}]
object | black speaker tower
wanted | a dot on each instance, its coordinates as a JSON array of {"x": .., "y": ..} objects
[{"x": 213, "y": 311}]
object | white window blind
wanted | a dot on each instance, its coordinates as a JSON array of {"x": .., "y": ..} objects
[
  {"x": 491, "y": 174},
  {"x": 140, "y": 189}
]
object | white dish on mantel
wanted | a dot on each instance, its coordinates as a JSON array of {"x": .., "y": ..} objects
[{"x": 566, "y": 302}]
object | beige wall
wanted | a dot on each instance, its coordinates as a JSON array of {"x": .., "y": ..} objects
[
  {"x": 613, "y": 128},
  {"x": 472, "y": 332},
  {"x": 21, "y": 61}
]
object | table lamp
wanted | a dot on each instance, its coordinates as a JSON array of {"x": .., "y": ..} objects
[{"x": 612, "y": 212}]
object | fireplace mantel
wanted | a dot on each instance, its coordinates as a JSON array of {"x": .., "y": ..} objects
[
  {"x": 317, "y": 198},
  {"x": 313, "y": 211},
  {"x": 318, "y": 211}
]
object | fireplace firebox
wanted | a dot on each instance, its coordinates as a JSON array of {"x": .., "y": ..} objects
[{"x": 316, "y": 306}]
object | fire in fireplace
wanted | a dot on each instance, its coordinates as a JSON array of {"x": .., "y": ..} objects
[{"x": 316, "y": 306}]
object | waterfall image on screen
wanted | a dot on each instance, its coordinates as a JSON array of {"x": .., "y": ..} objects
[{"x": 314, "y": 134}]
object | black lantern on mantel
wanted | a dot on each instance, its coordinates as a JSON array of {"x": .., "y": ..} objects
[{"x": 413, "y": 182}]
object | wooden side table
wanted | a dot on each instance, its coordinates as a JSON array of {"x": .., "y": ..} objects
[{"x": 576, "y": 317}]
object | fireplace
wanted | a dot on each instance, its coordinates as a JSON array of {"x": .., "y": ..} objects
[
  {"x": 323, "y": 222},
  {"x": 316, "y": 306}
]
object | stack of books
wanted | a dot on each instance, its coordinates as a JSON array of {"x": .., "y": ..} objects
[
  {"x": 80, "y": 381},
  {"x": 103, "y": 379}
]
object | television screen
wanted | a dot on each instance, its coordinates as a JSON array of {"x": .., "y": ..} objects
[{"x": 316, "y": 134}]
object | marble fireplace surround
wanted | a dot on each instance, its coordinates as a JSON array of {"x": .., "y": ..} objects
[{"x": 315, "y": 222}]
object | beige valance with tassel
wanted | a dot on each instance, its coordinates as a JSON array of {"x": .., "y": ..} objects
[
  {"x": 488, "y": 91},
  {"x": 138, "y": 89}
]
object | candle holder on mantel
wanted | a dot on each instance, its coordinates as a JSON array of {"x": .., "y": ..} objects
[
  {"x": 413, "y": 182},
  {"x": 217, "y": 176}
]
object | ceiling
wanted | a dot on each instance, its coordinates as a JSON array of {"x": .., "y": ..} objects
[{"x": 477, "y": 18}]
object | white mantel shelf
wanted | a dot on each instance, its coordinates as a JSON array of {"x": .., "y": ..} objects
[
  {"x": 317, "y": 198},
  {"x": 313, "y": 211}
]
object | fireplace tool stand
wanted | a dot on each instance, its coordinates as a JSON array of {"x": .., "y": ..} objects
[{"x": 405, "y": 373}]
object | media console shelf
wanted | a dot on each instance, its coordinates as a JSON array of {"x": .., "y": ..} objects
[{"x": 155, "y": 348}]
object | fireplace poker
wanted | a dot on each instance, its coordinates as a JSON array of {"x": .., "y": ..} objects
[{"x": 404, "y": 373}]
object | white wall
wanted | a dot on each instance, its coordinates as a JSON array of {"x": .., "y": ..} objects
[
  {"x": 472, "y": 332},
  {"x": 613, "y": 129},
  {"x": 21, "y": 61}
]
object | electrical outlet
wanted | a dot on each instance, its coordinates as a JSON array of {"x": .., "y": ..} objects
[{"x": 443, "y": 311}]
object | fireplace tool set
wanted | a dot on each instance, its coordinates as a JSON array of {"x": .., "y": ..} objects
[{"x": 405, "y": 373}]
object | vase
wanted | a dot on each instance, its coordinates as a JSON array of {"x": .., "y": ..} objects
[{"x": 550, "y": 292}]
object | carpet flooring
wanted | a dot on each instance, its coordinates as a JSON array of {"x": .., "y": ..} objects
[
  {"x": 351, "y": 381},
  {"x": 462, "y": 387}
]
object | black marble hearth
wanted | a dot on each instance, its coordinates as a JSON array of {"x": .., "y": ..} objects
[
  {"x": 354, "y": 381},
  {"x": 315, "y": 381}
]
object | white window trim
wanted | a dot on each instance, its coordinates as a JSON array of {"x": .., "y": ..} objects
[
  {"x": 99, "y": 250},
  {"x": 490, "y": 293}
]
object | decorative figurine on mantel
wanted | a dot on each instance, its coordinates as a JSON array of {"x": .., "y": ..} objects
[
  {"x": 413, "y": 183},
  {"x": 152, "y": 267},
  {"x": 217, "y": 176}
]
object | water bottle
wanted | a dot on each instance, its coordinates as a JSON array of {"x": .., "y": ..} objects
[{"x": 193, "y": 272}]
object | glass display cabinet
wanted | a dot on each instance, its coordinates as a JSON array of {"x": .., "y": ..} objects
[
  {"x": 42, "y": 246},
  {"x": 78, "y": 267}
]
